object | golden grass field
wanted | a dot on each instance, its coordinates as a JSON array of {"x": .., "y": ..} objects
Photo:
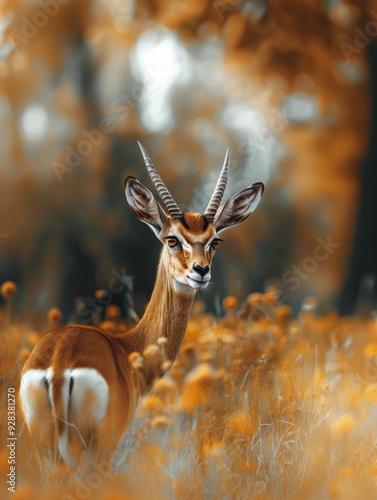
[{"x": 258, "y": 405}]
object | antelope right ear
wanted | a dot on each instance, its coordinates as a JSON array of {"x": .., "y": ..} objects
[
  {"x": 144, "y": 205},
  {"x": 239, "y": 207}
]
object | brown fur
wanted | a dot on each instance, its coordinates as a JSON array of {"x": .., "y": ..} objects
[
  {"x": 166, "y": 316},
  {"x": 195, "y": 223}
]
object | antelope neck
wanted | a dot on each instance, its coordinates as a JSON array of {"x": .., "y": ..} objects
[{"x": 166, "y": 315}]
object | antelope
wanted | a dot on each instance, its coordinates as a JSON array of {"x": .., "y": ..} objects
[{"x": 80, "y": 386}]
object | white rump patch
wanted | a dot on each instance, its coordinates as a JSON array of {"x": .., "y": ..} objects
[
  {"x": 88, "y": 379},
  {"x": 32, "y": 379}
]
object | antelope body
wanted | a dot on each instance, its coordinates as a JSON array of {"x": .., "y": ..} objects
[{"x": 79, "y": 388}]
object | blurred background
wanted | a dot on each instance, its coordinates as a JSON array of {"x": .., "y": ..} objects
[{"x": 287, "y": 85}]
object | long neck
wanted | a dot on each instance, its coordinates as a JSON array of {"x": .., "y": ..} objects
[{"x": 167, "y": 315}]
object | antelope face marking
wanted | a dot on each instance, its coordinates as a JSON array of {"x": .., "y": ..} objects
[{"x": 190, "y": 244}]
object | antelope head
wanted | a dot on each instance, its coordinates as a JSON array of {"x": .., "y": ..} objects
[{"x": 190, "y": 239}]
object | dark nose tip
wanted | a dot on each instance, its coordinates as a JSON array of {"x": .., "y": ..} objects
[{"x": 201, "y": 270}]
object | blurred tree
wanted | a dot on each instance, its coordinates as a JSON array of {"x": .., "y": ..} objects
[{"x": 360, "y": 285}]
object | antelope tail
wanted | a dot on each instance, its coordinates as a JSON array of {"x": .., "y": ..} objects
[{"x": 59, "y": 389}]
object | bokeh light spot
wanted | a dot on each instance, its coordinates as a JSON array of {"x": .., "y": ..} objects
[{"x": 34, "y": 122}]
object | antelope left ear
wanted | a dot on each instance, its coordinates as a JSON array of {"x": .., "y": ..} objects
[
  {"x": 239, "y": 207},
  {"x": 144, "y": 205}
]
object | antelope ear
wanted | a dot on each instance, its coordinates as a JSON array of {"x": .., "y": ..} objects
[
  {"x": 144, "y": 205},
  {"x": 239, "y": 207}
]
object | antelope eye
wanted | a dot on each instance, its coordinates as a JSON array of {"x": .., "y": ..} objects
[
  {"x": 215, "y": 243},
  {"x": 172, "y": 241}
]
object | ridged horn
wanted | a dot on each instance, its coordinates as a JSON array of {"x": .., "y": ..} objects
[
  {"x": 164, "y": 193},
  {"x": 215, "y": 201}
]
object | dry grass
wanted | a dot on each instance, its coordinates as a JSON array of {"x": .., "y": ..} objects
[{"x": 257, "y": 405}]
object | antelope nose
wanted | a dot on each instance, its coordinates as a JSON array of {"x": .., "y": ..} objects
[{"x": 201, "y": 270}]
